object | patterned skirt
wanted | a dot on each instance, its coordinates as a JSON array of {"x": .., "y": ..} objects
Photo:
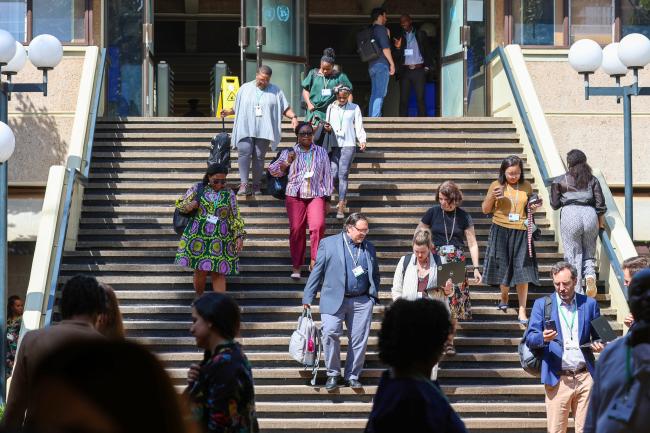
[
  {"x": 506, "y": 259},
  {"x": 459, "y": 302}
]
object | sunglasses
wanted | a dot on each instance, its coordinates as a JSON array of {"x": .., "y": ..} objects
[
  {"x": 219, "y": 181},
  {"x": 305, "y": 134}
]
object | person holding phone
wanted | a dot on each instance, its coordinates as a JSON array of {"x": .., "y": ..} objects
[
  {"x": 319, "y": 86},
  {"x": 345, "y": 120},
  {"x": 309, "y": 187},
  {"x": 569, "y": 342},
  {"x": 508, "y": 261},
  {"x": 214, "y": 237},
  {"x": 582, "y": 206}
]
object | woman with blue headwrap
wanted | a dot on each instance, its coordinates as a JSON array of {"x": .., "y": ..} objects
[{"x": 318, "y": 86}]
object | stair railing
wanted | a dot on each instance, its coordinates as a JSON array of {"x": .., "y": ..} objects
[
  {"x": 615, "y": 242},
  {"x": 62, "y": 202}
]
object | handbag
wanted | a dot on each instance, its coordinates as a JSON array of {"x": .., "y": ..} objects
[
  {"x": 325, "y": 139},
  {"x": 180, "y": 219},
  {"x": 277, "y": 186}
]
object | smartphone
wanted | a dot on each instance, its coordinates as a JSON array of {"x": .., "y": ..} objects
[
  {"x": 535, "y": 202},
  {"x": 499, "y": 191},
  {"x": 550, "y": 324}
]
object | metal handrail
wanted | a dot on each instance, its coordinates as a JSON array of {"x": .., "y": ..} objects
[
  {"x": 541, "y": 163},
  {"x": 73, "y": 175}
]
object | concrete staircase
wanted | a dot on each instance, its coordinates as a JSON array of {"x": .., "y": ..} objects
[{"x": 140, "y": 166}]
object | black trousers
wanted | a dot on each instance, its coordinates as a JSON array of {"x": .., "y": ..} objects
[{"x": 408, "y": 78}]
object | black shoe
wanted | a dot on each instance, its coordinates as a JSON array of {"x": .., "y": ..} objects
[
  {"x": 355, "y": 384},
  {"x": 332, "y": 383}
]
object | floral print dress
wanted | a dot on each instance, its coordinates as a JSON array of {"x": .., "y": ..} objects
[
  {"x": 207, "y": 245},
  {"x": 459, "y": 302},
  {"x": 222, "y": 398},
  {"x": 13, "y": 331}
]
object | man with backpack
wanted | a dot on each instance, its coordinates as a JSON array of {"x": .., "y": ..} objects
[
  {"x": 568, "y": 360},
  {"x": 347, "y": 273},
  {"x": 380, "y": 65}
]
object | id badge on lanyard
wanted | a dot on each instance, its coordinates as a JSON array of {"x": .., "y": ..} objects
[
  {"x": 326, "y": 92},
  {"x": 408, "y": 52}
]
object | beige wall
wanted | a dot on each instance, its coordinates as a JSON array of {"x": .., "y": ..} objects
[
  {"x": 596, "y": 125},
  {"x": 43, "y": 125}
]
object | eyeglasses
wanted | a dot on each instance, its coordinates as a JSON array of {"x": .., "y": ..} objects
[
  {"x": 364, "y": 231},
  {"x": 219, "y": 181},
  {"x": 305, "y": 134}
]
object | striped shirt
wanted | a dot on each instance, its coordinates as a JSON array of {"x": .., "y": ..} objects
[{"x": 313, "y": 161}]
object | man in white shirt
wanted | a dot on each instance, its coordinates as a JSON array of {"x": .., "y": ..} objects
[{"x": 568, "y": 363}]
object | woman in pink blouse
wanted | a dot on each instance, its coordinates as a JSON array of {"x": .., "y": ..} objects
[{"x": 308, "y": 188}]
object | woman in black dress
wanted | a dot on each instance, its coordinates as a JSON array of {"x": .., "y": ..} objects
[{"x": 451, "y": 226}]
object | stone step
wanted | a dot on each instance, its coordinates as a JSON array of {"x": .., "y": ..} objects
[
  {"x": 217, "y": 127},
  {"x": 409, "y": 146},
  {"x": 297, "y": 309},
  {"x": 183, "y": 176},
  {"x": 424, "y": 134},
  {"x": 186, "y": 155},
  {"x": 364, "y": 408},
  {"x": 450, "y": 167},
  {"x": 383, "y": 120},
  {"x": 299, "y": 425}
]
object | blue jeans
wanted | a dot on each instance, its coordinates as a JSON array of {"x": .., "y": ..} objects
[{"x": 379, "y": 75}]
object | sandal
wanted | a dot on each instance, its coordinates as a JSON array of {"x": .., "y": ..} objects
[
  {"x": 450, "y": 349},
  {"x": 503, "y": 307}
]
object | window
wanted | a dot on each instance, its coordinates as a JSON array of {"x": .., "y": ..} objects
[
  {"x": 635, "y": 17},
  {"x": 538, "y": 22},
  {"x": 592, "y": 19},
  {"x": 13, "y": 15},
  {"x": 68, "y": 20},
  {"x": 561, "y": 22}
]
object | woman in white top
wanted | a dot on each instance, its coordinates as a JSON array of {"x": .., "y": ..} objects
[
  {"x": 419, "y": 279},
  {"x": 344, "y": 118}
]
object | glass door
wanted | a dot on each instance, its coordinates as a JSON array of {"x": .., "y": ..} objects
[
  {"x": 148, "y": 64},
  {"x": 463, "y": 48},
  {"x": 284, "y": 47}
]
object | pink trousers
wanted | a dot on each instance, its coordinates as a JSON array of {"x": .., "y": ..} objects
[{"x": 305, "y": 212}]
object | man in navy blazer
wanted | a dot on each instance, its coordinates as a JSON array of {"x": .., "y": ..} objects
[
  {"x": 568, "y": 363},
  {"x": 347, "y": 274}
]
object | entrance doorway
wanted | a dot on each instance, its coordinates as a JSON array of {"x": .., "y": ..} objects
[{"x": 192, "y": 36}]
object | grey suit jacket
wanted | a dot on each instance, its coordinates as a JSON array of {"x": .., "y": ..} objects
[{"x": 330, "y": 274}]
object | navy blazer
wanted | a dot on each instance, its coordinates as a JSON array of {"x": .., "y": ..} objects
[
  {"x": 330, "y": 274},
  {"x": 588, "y": 310}
]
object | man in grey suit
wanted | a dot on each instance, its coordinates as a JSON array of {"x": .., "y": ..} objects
[{"x": 347, "y": 273}]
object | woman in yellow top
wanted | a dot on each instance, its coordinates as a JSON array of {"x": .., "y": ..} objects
[{"x": 507, "y": 260}]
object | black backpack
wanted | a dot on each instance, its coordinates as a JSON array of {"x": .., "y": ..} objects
[
  {"x": 180, "y": 219},
  {"x": 367, "y": 47},
  {"x": 220, "y": 148},
  {"x": 407, "y": 260},
  {"x": 531, "y": 359}
]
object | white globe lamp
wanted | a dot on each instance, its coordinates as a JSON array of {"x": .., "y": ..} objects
[
  {"x": 634, "y": 51},
  {"x": 585, "y": 56},
  {"x": 18, "y": 62},
  {"x": 7, "y": 47},
  {"x": 612, "y": 65},
  {"x": 45, "y": 52},
  {"x": 7, "y": 142}
]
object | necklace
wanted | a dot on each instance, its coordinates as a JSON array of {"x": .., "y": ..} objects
[{"x": 453, "y": 225}]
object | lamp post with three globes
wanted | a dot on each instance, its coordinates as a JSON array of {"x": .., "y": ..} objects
[
  {"x": 616, "y": 59},
  {"x": 44, "y": 52}
]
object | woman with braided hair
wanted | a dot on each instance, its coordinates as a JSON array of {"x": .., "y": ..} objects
[{"x": 318, "y": 86}]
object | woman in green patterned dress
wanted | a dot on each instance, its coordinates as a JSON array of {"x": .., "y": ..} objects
[
  {"x": 318, "y": 86},
  {"x": 214, "y": 237}
]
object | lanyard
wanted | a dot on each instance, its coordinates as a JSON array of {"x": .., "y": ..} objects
[
  {"x": 566, "y": 321},
  {"x": 453, "y": 225},
  {"x": 514, "y": 202},
  {"x": 355, "y": 261},
  {"x": 325, "y": 82},
  {"x": 341, "y": 114},
  {"x": 259, "y": 93}
]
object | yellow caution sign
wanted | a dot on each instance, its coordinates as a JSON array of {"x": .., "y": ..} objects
[{"x": 229, "y": 89}]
